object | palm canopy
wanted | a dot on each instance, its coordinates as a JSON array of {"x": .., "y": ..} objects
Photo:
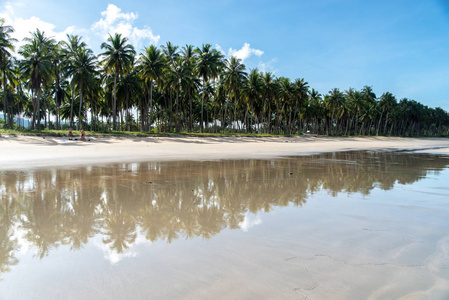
[
  {"x": 36, "y": 65},
  {"x": 209, "y": 62},
  {"x": 6, "y": 41},
  {"x": 234, "y": 74},
  {"x": 82, "y": 67},
  {"x": 118, "y": 55},
  {"x": 151, "y": 64}
]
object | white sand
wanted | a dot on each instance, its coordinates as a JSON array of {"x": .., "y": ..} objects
[{"x": 24, "y": 152}]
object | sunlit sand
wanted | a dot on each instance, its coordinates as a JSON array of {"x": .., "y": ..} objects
[{"x": 29, "y": 152}]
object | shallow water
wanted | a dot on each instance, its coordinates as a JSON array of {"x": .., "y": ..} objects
[{"x": 354, "y": 225}]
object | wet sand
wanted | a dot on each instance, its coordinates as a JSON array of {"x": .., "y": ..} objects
[
  {"x": 347, "y": 225},
  {"x": 24, "y": 152}
]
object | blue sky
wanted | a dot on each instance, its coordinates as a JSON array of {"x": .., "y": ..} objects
[{"x": 396, "y": 46}]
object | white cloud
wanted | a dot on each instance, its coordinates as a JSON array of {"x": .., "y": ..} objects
[
  {"x": 218, "y": 47},
  {"x": 267, "y": 66},
  {"x": 112, "y": 255},
  {"x": 23, "y": 27},
  {"x": 250, "y": 220},
  {"x": 115, "y": 21},
  {"x": 112, "y": 20},
  {"x": 244, "y": 52}
]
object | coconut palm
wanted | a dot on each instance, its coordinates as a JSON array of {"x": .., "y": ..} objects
[
  {"x": 69, "y": 50},
  {"x": 269, "y": 84},
  {"x": 334, "y": 102},
  {"x": 285, "y": 95},
  {"x": 188, "y": 56},
  {"x": 117, "y": 58},
  {"x": 10, "y": 79},
  {"x": 208, "y": 66},
  {"x": 386, "y": 104},
  {"x": 301, "y": 97},
  {"x": 234, "y": 76},
  {"x": 82, "y": 68},
  {"x": 253, "y": 89},
  {"x": 150, "y": 67},
  {"x": 128, "y": 87},
  {"x": 36, "y": 66},
  {"x": 6, "y": 49}
]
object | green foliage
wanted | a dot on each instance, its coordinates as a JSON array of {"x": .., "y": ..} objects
[{"x": 188, "y": 90}]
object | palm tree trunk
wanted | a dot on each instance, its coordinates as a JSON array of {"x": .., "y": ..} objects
[
  {"x": 148, "y": 123},
  {"x": 202, "y": 107},
  {"x": 81, "y": 104},
  {"x": 114, "y": 102},
  {"x": 191, "y": 112},
  {"x": 36, "y": 100},
  {"x": 177, "y": 111},
  {"x": 5, "y": 100}
]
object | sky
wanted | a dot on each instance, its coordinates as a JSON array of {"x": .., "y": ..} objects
[{"x": 399, "y": 46}]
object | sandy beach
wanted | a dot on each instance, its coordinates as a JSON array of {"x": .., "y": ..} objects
[{"x": 25, "y": 152}]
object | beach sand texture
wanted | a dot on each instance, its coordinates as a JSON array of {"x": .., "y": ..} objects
[{"x": 24, "y": 152}]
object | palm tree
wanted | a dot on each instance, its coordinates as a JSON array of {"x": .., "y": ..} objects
[
  {"x": 118, "y": 58},
  {"x": 301, "y": 97},
  {"x": 285, "y": 94},
  {"x": 128, "y": 87},
  {"x": 82, "y": 67},
  {"x": 11, "y": 76},
  {"x": 269, "y": 85},
  {"x": 233, "y": 77},
  {"x": 150, "y": 67},
  {"x": 253, "y": 89},
  {"x": 36, "y": 65},
  {"x": 69, "y": 50},
  {"x": 188, "y": 56},
  {"x": 208, "y": 66},
  {"x": 334, "y": 102},
  {"x": 6, "y": 47},
  {"x": 386, "y": 104}
]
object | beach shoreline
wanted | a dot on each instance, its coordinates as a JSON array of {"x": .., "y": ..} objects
[{"x": 20, "y": 152}]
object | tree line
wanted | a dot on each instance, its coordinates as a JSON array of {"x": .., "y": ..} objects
[{"x": 58, "y": 84}]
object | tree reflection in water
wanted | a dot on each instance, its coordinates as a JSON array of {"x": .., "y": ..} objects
[{"x": 172, "y": 200}]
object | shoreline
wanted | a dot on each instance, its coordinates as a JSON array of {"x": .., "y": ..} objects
[{"x": 29, "y": 152}]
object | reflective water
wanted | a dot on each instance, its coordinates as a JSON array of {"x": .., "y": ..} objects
[{"x": 355, "y": 225}]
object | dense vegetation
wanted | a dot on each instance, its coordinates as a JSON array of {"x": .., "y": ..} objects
[{"x": 186, "y": 89}]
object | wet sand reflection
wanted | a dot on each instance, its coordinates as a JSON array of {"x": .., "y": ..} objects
[{"x": 364, "y": 231}]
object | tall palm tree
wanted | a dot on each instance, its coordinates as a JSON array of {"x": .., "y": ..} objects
[
  {"x": 69, "y": 50},
  {"x": 233, "y": 78},
  {"x": 118, "y": 57},
  {"x": 188, "y": 56},
  {"x": 253, "y": 89},
  {"x": 6, "y": 47},
  {"x": 10, "y": 79},
  {"x": 301, "y": 97},
  {"x": 150, "y": 67},
  {"x": 285, "y": 95},
  {"x": 269, "y": 85},
  {"x": 127, "y": 88},
  {"x": 386, "y": 104},
  {"x": 82, "y": 68},
  {"x": 36, "y": 66},
  {"x": 334, "y": 102},
  {"x": 208, "y": 66}
]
